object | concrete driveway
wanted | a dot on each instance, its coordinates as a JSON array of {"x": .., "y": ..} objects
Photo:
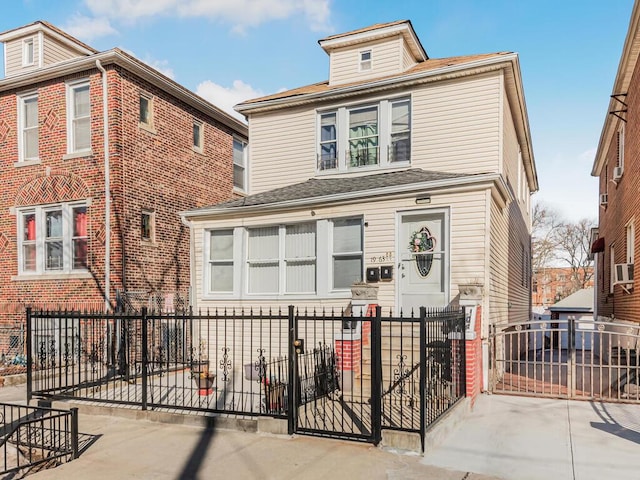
[{"x": 522, "y": 438}]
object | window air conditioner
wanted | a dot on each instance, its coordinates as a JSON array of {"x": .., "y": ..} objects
[
  {"x": 623, "y": 273},
  {"x": 604, "y": 199},
  {"x": 617, "y": 173}
]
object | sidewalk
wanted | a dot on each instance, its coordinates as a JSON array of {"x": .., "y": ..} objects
[{"x": 122, "y": 448}]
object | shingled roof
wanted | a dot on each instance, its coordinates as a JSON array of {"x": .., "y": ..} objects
[{"x": 317, "y": 188}]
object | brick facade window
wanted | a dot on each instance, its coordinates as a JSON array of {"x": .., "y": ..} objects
[
  {"x": 148, "y": 226},
  {"x": 197, "y": 136},
  {"x": 146, "y": 110},
  {"x": 53, "y": 239},
  {"x": 28, "y": 126},
  {"x": 78, "y": 117},
  {"x": 239, "y": 164}
]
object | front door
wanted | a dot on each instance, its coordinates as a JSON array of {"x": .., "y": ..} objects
[{"x": 423, "y": 270}]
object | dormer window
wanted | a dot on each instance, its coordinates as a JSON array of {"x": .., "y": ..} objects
[
  {"x": 365, "y": 60},
  {"x": 27, "y": 52}
]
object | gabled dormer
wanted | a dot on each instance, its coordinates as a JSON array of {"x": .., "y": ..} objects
[
  {"x": 372, "y": 52},
  {"x": 39, "y": 45}
]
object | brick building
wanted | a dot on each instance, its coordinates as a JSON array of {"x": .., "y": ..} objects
[
  {"x": 168, "y": 150},
  {"x": 550, "y": 285},
  {"x": 617, "y": 164}
]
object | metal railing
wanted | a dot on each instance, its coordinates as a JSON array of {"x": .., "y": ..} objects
[
  {"x": 365, "y": 373},
  {"x": 36, "y": 437}
]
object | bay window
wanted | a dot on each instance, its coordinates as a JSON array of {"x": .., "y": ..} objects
[
  {"x": 365, "y": 136},
  {"x": 53, "y": 239}
]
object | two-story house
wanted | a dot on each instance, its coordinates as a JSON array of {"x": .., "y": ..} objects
[
  {"x": 618, "y": 168},
  {"x": 98, "y": 153},
  {"x": 410, "y": 173}
]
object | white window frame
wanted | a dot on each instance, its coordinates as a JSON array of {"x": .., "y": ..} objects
[
  {"x": 152, "y": 225},
  {"x": 199, "y": 141},
  {"x": 209, "y": 262},
  {"x": 26, "y": 61},
  {"x": 40, "y": 241},
  {"x": 244, "y": 167},
  {"x": 630, "y": 231},
  {"x": 334, "y": 254},
  {"x": 365, "y": 64},
  {"x": 620, "y": 162},
  {"x": 71, "y": 119},
  {"x": 149, "y": 123},
  {"x": 612, "y": 267},
  {"x": 384, "y": 106},
  {"x": 22, "y": 99}
]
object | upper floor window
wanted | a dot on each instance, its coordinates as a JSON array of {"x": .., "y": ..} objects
[
  {"x": 631, "y": 235},
  {"x": 53, "y": 239},
  {"x": 146, "y": 110},
  {"x": 28, "y": 126},
  {"x": 28, "y": 55},
  {"x": 197, "y": 136},
  {"x": 78, "y": 117},
  {"x": 621, "y": 147},
  {"x": 365, "y": 60},
  {"x": 148, "y": 226},
  {"x": 376, "y": 135},
  {"x": 239, "y": 164}
]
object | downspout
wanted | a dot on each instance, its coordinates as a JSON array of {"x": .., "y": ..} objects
[
  {"x": 107, "y": 190},
  {"x": 192, "y": 259}
]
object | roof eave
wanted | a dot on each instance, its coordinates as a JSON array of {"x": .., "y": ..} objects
[
  {"x": 493, "y": 180},
  {"x": 131, "y": 64}
]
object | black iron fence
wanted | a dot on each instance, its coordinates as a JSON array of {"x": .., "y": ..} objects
[
  {"x": 326, "y": 372},
  {"x": 36, "y": 437}
]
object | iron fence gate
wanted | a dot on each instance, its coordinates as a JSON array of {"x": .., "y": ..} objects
[
  {"x": 572, "y": 358},
  {"x": 327, "y": 373}
]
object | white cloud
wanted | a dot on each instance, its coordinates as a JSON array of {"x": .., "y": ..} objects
[
  {"x": 226, "y": 97},
  {"x": 240, "y": 13},
  {"x": 161, "y": 65},
  {"x": 588, "y": 156},
  {"x": 87, "y": 29}
]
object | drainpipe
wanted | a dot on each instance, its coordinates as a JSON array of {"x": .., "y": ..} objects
[
  {"x": 192, "y": 259},
  {"x": 107, "y": 190}
]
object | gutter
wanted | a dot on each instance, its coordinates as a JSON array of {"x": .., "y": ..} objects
[
  {"x": 436, "y": 186},
  {"x": 107, "y": 190}
]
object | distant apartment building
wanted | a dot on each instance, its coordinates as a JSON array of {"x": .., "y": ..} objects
[{"x": 550, "y": 285}]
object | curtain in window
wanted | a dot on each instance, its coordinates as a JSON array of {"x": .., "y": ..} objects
[
  {"x": 263, "y": 256},
  {"x": 79, "y": 237},
  {"x": 28, "y": 243},
  {"x": 53, "y": 241},
  {"x": 81, "y": 118},
  {"x": 221, "y": 261},
  {"x": 300, "y": 257},
  {"x": 400, "y": 131},
  {"x": 347, "y": 252},
  {"x": 363, "y": 137}
]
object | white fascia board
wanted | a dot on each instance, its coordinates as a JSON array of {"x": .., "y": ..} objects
[
  {"x": 135, "y": 66},
  {"x": 448, "y": 185},
  {"x": 496, "y": 62}
]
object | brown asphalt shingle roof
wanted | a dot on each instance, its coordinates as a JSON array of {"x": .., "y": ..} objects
[
  {"x": 427, "y": 65},
  {"x": 365, "y": 29}
]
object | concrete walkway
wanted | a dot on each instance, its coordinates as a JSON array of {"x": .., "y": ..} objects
[{"x": 520, "y": 438}]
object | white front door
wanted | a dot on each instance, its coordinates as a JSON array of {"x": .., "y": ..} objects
[{"x": 423, "y": 269}]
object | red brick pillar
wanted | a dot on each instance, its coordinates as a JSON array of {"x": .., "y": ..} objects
[
  {"x": 473, "y": 357},
  {"x": 348, "y": 353}
]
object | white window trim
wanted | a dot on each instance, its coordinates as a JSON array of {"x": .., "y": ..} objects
[
  {"x": 199, "y": 145},
  {"x": 152, "y": 227},
  {"x": 150, "y": 125},
  {"x": 245, "y": 154},
  {"x": 620, "y": 162},
  {"x": 630, "y": 233},
  {"x": 25, "y": 59},
  {"x": 70, "y": 87},
  {"x": 67, "y": 239},
  {"x": 362, "y": 63},
  {"x": 21, "y": 127},
  {"x": 333, "y": 254},
  {"x": 342, "y": 133},
  {"x": 612, "y": 267}
]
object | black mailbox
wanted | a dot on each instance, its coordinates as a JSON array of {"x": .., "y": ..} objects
[
  {"x": 373, "y": 274},
  {"x": 386, "y": 272}
]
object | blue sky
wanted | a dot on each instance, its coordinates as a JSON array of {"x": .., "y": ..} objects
[{"x": 232, "y": 50}]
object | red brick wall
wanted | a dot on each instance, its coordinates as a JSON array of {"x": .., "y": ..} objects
[
  {"x": 623, "y": 205},
  {"x": 158, "y": 171}
]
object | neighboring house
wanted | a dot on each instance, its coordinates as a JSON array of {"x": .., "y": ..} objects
[
  {"x": 409, "y": 173},
  {"x": 550, "y": 285},
  {"x": 617, "y": 164},
  {"x": 579, "y": 307},
  {"x": 168, "y": 150}
]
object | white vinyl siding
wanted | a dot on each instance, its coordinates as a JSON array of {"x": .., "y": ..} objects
[
  {"x": 468, "y": 233},
  {"x": 55, "y": 51},
  {"x": 407, "y": 57},
  {"x": 78, "y": 117},
  {"x": 386, "y": 59},
  {"x": 14, "y": 55}
]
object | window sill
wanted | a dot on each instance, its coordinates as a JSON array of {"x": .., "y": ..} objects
[
  {"x": 240, "y": 191},
  {"x": 198, "y": 150},
  {"x": 148, "y": 243},
  {"x": 364, "y": 169},
  {"x": 72, "y": 155},
  {"x": 148, "y": 128},
  {"x": 26, "y": 163},
  {"x": 28, "y": 277},
  {"x": 278, "y": 297}
]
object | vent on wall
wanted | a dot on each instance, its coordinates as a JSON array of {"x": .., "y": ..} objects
[
  {"x": 604, "y": 199},
  {"x": 617, "y": 173}
]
